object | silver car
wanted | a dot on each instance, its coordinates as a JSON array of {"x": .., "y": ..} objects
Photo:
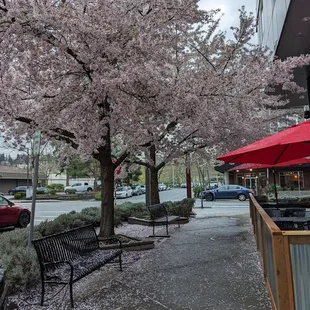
[{"x": 123, "y": 192}]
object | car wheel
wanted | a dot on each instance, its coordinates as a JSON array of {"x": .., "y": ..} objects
[
  {"x": 209, "y": 197},
  {"x": 241, "y": 197},
  {"x": 89, "y": 189},
  {"x": 23, "y": 219}
]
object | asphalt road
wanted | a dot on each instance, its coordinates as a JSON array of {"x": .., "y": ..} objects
[{"x": 48, "y": 210}]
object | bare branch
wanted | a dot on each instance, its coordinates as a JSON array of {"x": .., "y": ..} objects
[{"x": 204, "y": 56}]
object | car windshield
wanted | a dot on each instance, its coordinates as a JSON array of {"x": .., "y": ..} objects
[
  {"x": 3, "y": 202},
  {"x": 121, "y": 189}
]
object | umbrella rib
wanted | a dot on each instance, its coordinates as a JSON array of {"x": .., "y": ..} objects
[{"x": 286, "y": 146}]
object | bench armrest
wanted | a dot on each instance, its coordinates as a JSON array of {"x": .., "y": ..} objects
[{"x": 113, "y": 239}]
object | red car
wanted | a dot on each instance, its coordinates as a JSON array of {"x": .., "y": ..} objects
[{"x": 11, "y": 215}]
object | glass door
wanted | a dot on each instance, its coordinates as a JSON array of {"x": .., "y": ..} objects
[{"x": 251, "y": 182}]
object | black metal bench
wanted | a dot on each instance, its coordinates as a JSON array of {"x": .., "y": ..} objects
[
  {"x": 159, "y": 216},
  {"x": 68, "y": 257}
]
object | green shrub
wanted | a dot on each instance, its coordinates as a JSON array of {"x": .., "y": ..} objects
[
  {"x": 71, "y": 191},
  {"x": 21, "y": 264},
  {"x": 123, "y": 211},
  {"x": 180, "y": 208},
  {"x": 41, "y": 193},
  {"x": 56, "y": 187},
  {"x": 19, "y": 195},
  {"x": 51, "y": 192},
  {"x": 98, "y": 196},
  {"x": 92, "y": 215},
  {"x": 47, "y": 228},
  {"x": 128, "y": 209},
  {"x": 197, "y": 190}
]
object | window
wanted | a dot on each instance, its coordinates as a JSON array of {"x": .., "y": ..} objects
[
  {"x": 3, "y": 202},
  {"x": 222, "y": 188},
  {"x": 291, "y": 180},
  {"x": 233, "y": 187},
  {"x": 240, "y": 179}
]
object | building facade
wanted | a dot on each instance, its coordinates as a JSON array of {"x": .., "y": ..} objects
[
  {"x": 11, "y": 177},
  {"x": 284, "y": 27}
]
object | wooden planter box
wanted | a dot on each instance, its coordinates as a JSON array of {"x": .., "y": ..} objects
[{"x": 285, "y": 257}]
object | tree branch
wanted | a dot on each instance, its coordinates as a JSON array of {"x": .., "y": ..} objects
[
  {"x": 121, "y": 158},
  {"x": 204, "y": 56}
]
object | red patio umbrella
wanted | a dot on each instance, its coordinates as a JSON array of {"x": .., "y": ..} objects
[
  {"x": 248, "y": 166},
  {"x": 291, "y": 143}
]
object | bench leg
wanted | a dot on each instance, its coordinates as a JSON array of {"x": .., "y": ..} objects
[
  {"x": 120, "y": 262},
  {"x": 42, "y": 293},
  {"x": 160, "y": 236},
  {"x": 71, "y": 294}
]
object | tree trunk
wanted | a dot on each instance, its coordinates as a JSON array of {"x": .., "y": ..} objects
[
  {"x": 107, "y": 193},
  {"x": 153, "y": 177},
  {"x": 154, "y": 186},
  {"x": 188, "y": 178}
]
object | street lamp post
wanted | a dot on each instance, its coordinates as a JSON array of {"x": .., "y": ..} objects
[
  {"x": 36, "y": 154},
  {"x": 27, "y": 150}
]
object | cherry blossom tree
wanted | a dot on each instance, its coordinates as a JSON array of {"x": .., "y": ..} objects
[
  {"x": 102, "y": 75},
  {"x": 227, "y": 88},
  {"x": 69, "y": 69}
]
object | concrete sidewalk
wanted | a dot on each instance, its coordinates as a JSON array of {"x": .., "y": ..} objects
[{"x": 209, "y": 263}]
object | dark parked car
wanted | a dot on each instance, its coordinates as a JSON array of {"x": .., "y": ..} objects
[
  {"x": 17, "y": 189},
  {"x": 229, "y": 191},
  {"x": 12, "y": 215}
]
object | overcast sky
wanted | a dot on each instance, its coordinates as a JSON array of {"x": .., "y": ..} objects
[{"x": 230, "y": 10}]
